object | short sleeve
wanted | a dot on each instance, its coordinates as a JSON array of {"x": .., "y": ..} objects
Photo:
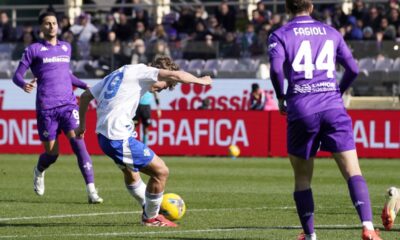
[
  {"x": 275, "y": 48},
  {"x": 343, "y": 51},
  {"x": 142, "y": 72},
  {"x": 96, "y": 89},
  {"x": 27, "y": 57}
]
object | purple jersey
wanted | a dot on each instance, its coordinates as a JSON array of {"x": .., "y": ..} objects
[
  {"x": 308, "y": 51},
  {"x": 50, "y": 65}
]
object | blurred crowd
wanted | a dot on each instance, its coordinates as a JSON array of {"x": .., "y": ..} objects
[{"x": 192, "y": 32}]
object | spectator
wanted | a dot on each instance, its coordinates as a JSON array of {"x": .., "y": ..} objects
[
  {"x": 200, "y": 13},
  {"x": 205, "y": 104},
  {"x": 124, "y": 29},
  {"x": 353, "y": 29},
  {"x": 68, "y": 36},
  {"x": 140, "y": 30},
  {"x": 368, "y": 33},
  {"x": 20, "y": 46},
  {"x": 248, "y": 39},
  {"x": 262, "y": 11},
  {"x": 373, "y": 19},
  {"x": 127, "y": 11},
  {"x": 159, "y": 34},
  {"x": 257, "y": 19},
  {"x": 186, "y": 21},
  {"x": 359, "y": 11},
  {"x": 394, "y": 17},
  {"x": 141, "y": 15},
  {"x": 257, "y": 97},
  {"x": 107, "y": 27},
  {"x": 200, "y": 31},
  {"x": 214, "y": 28},
  {"x": 160, "y": 49},
  {"x": 139, "y": 52},
  {"x": 64, "y": 25},
  {"x": 6, "y": 29},
  {"x": 83, "y": 32},
  {"x": 226, "y": 16},
  {"x": 229, "y": 48}
]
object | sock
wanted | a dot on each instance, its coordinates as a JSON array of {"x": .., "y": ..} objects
[
  {"x": 311, "y": 236},
  {"x": 368, "y": 225},
  {"x": 152, "y": 206},
  {"x": 305, "y": 209},
  {"x": 90, "y": 188},
  {"x": 360, "y": 197},
  {"x": 84, "y": 160},
  {"x": 138, "y": 190},
  {"x": 45, "y": 160}
]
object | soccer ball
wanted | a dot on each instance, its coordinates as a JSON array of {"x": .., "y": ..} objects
[
  {"x": 172, "y": 206},
  {"x": 234, "y": 151}
]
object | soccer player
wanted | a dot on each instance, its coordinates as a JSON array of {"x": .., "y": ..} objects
[
  {"x": 391, "y": 207},
  {"x": 143, "y": 113},
  {"x": 56, "y": 107},
  {"x": 305, "y": 51},
  {"x": 118, "y": 96}
]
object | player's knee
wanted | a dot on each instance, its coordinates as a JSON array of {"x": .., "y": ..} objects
[
  {"x": 52, "y": 152},
  {"x": 163, "y": 173}
]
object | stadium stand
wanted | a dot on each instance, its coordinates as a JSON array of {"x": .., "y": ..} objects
[{"x": 223, "y": 45}]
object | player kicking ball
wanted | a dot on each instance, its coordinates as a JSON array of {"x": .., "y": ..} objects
[
  {"x": 308, "y": 51},
  {"x": 56, "y": 108},
  {"x": 118, "y": 96},
  {"x": 391, "y": 207}
]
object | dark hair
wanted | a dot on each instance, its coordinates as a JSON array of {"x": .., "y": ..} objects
[
  {"x": 254, "y": 87},
  {"x": 45, "y": 14},
  {"x": 167, "y": 64},
  {"x": 298, "y": 6}
]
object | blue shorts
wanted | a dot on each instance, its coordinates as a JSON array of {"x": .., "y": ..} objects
[
  {"x": 129, "y": 153},
  {"x": 51, "y": 121},
  {"x": 330, "y": 130}
]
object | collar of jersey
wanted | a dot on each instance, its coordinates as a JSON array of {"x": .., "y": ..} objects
[
  {"x": 46, "y": 43},
  {"x": 301, "y": 18}
]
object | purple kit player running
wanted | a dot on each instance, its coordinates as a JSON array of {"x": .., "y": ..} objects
[
  {"x": 56, "y": 107},
  {"x": 308, "y": 51}
]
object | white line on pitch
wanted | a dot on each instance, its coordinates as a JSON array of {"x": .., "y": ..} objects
[
  {"x": 138, "y": 212},
  {"x": 113, "y": 234}
]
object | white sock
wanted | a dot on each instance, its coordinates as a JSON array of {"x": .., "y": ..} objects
[
  {"x": 152, "y": 206},
  {"x": 368, "y": 225},
  {"x": 90, "y": 188},
  {"x": 137, "y": 190},
  {"x": 311, "y": 236}
]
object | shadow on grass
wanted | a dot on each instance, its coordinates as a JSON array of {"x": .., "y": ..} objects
[{"x": 68, "y": 224}]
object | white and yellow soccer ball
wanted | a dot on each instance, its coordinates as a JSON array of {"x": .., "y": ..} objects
[
  {"x": 234, "y": 151},
  {"x": 172, "y": 206}
]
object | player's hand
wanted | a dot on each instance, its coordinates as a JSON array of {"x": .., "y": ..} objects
[
  {"x": 282, "y": 106},
  {"x": 28, "y": 87},
  {"x": 80, "y": 132},
  {"x": 159, "y": 113},
  {"x": 206, "y": 80}
]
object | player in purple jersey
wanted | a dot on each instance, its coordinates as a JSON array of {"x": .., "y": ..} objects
[
  {"x": 56, "y": 107},
  {"x": 308, "y": 51}
]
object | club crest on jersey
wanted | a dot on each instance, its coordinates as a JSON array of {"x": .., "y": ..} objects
[
  {"x": 45, "y": 133},
  {"x": 146, "y": 152},
  {"x": 272, "y": 45},
  {"x": 65, "y": 48}
]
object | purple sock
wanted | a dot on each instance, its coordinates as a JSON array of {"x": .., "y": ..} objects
[
  {"x": 84, "y": 160},
  {"x": 360, "y": 197},
  {"x": 45, "y": 160},
  {"x": 305, "y": 209}
]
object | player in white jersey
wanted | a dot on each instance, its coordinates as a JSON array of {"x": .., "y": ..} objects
[{"x": 117, "y": 97}]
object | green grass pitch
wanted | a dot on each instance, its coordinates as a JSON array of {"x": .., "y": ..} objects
[{"x": 245, "y": 198}]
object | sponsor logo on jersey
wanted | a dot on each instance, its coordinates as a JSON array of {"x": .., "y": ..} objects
[
  {"x": 272, "y": 45},
  {"x": 146, "y": 152},
  {"x": 46, "y": 133},
  {"x": 55, "y": 59},
  {"x": 44, "y": 49}
]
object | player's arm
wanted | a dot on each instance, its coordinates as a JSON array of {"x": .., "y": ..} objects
[
  {"x": 76, "y": 82},
  {"x": 345, "y": 58},
  {"x": 182, "y": 77},
  {"x": 23, "y": 66},
  {"x": 277, "y": 59},
  {"x": 84, "y": 102}
]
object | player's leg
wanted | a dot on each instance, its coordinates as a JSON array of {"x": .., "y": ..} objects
[
  {"x": 338, "y": 138},
  {"x": 135, "y": 185},
  {"x": 47, "y": 129},
  {"x": 391, "y": 207},
  {"x": 146, "y": 121},
  {"x": 69, "y": 119},
  {"x": 303, "y": 143},
  {"x": 303, "y": 171},
  {"x": 158, "y": 172}
]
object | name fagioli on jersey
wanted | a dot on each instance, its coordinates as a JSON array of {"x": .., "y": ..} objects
[{"x": 309, "y": 31}]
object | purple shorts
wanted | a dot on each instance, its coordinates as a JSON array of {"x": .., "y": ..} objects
[
  {"x": 331, "y": 130},
  {"x": 52, "y": 121}
]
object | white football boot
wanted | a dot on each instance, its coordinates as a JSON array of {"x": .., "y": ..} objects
[
  {"x": 93, "y": 197},
  {"x": 38, "y": 182}
]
